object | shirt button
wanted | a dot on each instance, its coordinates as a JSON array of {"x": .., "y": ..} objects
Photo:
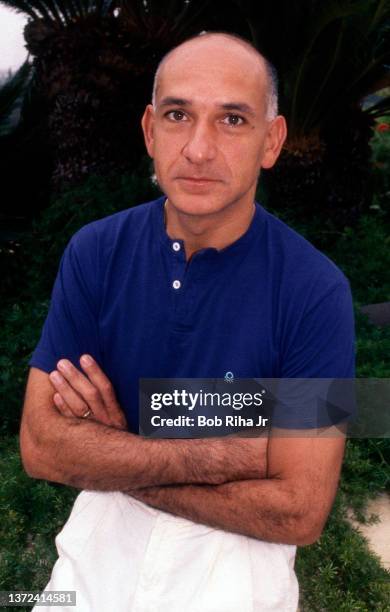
[
  {"x": 176, "y": 284},
  {"x": 176, "y": 246}
]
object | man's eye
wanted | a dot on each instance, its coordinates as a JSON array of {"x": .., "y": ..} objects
[
  {"x": 176, "y": 115},
  {"x": 233, "y": 120}
]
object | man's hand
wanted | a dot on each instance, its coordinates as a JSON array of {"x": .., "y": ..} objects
[{"x": 91, "y": 395}]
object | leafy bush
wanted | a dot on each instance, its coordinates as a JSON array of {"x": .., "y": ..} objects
[
  {"x": 34, "y": 258},
  {"x": 363, "y": 253},
  {"x": 380, "y": 144},
  {"x": 20, "y": 331},
  {"x": 365, "y": 472},
  {"x": 94, "y": 199},
  {"x": 373, "y": 348},
  {"x": 338, "y": 573}
]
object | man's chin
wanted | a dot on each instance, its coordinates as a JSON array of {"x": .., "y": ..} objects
[{"x": 196, "y": 205}]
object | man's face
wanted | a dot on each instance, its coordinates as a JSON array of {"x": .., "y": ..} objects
[{"x": 208, "y": 134}]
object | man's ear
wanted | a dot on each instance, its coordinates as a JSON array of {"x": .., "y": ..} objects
[
  {"x": 277, "y": 134},
  {"x": 147, "y": 123}
]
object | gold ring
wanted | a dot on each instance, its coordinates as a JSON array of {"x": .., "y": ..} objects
[{"x": 87, "y": 414}]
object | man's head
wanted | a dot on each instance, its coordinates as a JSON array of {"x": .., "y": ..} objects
[{"x": 213, "y": 123}]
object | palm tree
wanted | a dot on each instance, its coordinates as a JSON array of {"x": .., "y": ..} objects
[{"x": 93, "y": 62}]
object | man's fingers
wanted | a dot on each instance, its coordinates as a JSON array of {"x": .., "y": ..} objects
[
  {"x": 98, "y": 379},
  {"x": 80, "y": 383},
  {"x": 73, "y": 401},
  {"x": 62, "y": 406},
  {"x": 103, "y": 384},
  {"x": 67, "y": 399},
  {"x": 94, "y": 393}
]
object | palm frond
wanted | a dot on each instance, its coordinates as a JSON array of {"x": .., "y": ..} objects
[
  {"x": 329, "y": 55},
  {"x": 48, "y": 10},
  {"x": 134, "y": 11},
  {"x": 22, "y": 6},
  {"x": 380, "y": 108},
  {"x": 188, "y": 15},
  {"x": 79, "y": 8},
  {"x": 381, "y": 12},
  {"x": 158, "y": 20},
  {"x": 62, "y": 12},
  {"x": 11, "y": 97},
  {"x": 326, "y": 77},
  {"x": 330, "y": 13}
]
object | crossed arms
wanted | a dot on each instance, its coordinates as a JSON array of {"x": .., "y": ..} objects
[{"x": 279, "y": 489}]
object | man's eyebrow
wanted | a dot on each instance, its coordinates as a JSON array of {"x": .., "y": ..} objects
[
  {"x": 241, "y": 107},
  {"x": 172, "y": 101}
]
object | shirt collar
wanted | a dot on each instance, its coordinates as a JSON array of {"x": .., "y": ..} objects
[{"x": 238, "y": 246}]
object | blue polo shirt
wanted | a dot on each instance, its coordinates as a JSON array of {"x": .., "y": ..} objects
[{"x": 270, "y": 305}]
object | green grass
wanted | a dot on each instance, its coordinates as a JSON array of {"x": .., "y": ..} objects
[
  {"x": 32, "y": 513},
  {"x": 338, "y": 573}
]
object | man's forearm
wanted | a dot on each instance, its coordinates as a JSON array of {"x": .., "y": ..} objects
[
  {"x": 89, "y": 455},
  {"x": 265, "y": 509}
]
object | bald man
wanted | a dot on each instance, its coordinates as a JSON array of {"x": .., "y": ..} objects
[{"x": 200, "y": 282}]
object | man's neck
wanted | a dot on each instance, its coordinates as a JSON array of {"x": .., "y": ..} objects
[{"x": 217, "y": 230}]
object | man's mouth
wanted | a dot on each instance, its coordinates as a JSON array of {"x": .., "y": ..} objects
[{"x": 198, "y": 179}]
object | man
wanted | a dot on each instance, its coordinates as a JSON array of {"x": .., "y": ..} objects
[{"x": 196, "y": 284}]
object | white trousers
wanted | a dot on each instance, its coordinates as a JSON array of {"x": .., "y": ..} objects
[{"x": 120, "y": 555}]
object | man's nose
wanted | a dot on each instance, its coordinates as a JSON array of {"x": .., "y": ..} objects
[{"x": 201, "y": 144}]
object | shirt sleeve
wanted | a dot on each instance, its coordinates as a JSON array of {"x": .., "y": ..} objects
[
  {"x": 322, "y": 344},
  {"x": 318, "y": 365},
  {"x": 71, "y": 326}
]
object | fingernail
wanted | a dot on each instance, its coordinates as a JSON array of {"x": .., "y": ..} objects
[
  {"x": 58, "y": 399},
  {"x": 56, "y": 377},
  {"x": 63, "y": 365},
  {"x": 86, "y": 360}
]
